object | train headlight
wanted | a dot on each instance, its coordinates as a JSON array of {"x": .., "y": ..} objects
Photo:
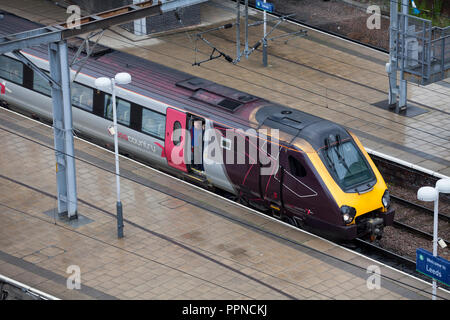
[
  {"x": 348, "y": 214},
  {"x": 386, "y": 199}
]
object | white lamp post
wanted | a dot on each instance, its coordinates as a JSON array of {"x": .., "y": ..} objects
[
  {"x": 104, "y": 83},
  {"x": 430, "y": 194}
]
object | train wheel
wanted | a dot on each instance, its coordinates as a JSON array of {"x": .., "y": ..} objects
[
  {"x": 299, "y": 223},
  {"x": 289, "y": 220},
  {"x": 242, "y": 200}
]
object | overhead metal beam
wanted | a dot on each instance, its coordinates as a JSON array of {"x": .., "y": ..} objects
[
  {"x": 103, "y": 20},
  {"x": 171, "y": 5},
  {"x": 36, "y": 69},
  {"x": 91, "y": 23},
  {"x": 28, "y": 39}
]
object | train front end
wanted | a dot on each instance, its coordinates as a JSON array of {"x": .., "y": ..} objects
[{"x": 356, "y": 185}]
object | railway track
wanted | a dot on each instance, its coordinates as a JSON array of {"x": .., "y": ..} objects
[
  {"x": 443, "y": 219},
  {"x": 389, "y": 257},
  {"x": 413, "y": 224},
  {"x": 426, "y": 210},
  {"x": 413, "y": 230},
  {"x": 400, "y": 262}
]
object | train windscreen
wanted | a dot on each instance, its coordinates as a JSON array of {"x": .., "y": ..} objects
[{"x": 347, "y": 165}]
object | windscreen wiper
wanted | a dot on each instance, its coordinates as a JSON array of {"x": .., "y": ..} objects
[
  {"x": 338, "y": 152},
  {"x": 327, "y": 150}
]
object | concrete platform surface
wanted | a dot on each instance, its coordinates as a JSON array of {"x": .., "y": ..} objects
[{"x": 180, "y": 242}]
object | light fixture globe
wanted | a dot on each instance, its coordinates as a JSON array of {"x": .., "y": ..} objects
[
  {"x": 123, "y": 78},
  {"x": 102, "y": 83},
  {"x": 427, "y": 194},
  {"x": 443, "y": 185}
]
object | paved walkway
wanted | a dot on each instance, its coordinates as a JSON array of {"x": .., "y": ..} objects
[
  {"x": 319, "y": 74},
  {"x": 180, "y": 242}
]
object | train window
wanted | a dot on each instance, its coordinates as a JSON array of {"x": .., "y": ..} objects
[
  {"x": 177, "y": 134},
  {"x": 123, "y": 110},
  {"x": 347, "y": 165},
  {"x": 225, "y": 143},
  {"x": 297, "y": 169},
  {"x": 153, "y": 123},
  {"x": 41, "y": 85},
  {"x": 82, "y": 97},
  {"x": 11, "y": 70}
]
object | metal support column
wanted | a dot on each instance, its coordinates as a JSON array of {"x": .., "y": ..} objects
[
  {"x": 264, "y": 39},
  {"x": 238, "y": 31},
  {"x": 391, "y": 67},
  {"x": 403, "y": 83},
  {"x": 246, "y": 29},
  {"x": 62, "y": 124}
]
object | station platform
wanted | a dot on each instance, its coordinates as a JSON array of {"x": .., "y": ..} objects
[
  {"x": 180, "y": 241},
  {"x": 320, "y": 74}
]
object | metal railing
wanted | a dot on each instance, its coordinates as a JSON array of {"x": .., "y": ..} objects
[
  {"x": 440, "y": 53},
  {"x": 14, "y": 290},
  {"x": 423, "y": 51}
]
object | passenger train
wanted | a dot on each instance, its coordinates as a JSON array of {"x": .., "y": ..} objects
[{"x": 317, "y": 176}]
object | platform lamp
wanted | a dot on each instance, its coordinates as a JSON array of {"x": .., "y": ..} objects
[
  {"x": 105, "y": 83},
  {"x": 430, "y": 194}
]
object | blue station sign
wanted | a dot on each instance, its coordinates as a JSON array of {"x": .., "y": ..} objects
[
  {"x": 264, "y": 6},
  {"x": 437, "y": 268}
]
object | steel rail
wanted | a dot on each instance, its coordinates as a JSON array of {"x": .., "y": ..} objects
[
  {"x": 393, "y": 259},
  {"x": 402, "y": 261},
  {"x": 426, "y": 210},
  {"x": 411, "y": 229}
]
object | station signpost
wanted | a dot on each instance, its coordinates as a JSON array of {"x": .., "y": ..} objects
[
  {"x": 427, "y": 263},
  {"x": 263, "y": 5},
  {"x": 437, "y": 268}
]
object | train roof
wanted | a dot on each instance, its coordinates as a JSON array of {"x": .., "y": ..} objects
[{"x": 199, "y": 96}]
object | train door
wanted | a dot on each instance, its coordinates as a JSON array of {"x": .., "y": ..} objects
[
  {"x": 299, "y": 189},
  {"x": 271, "y": 180},
  {"x": 175, "y": 139},
  {"x": 196, "y": 128}
]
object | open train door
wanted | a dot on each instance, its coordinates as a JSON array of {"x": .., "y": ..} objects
[{"x": 175, "y": 140}]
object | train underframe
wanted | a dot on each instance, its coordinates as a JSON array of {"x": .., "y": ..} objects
[{"x": 370, "y": 225}]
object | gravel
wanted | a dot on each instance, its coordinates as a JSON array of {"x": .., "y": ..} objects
[
  {"x": 339, "y": 17},
  {"x": 403, "y": 242}
]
